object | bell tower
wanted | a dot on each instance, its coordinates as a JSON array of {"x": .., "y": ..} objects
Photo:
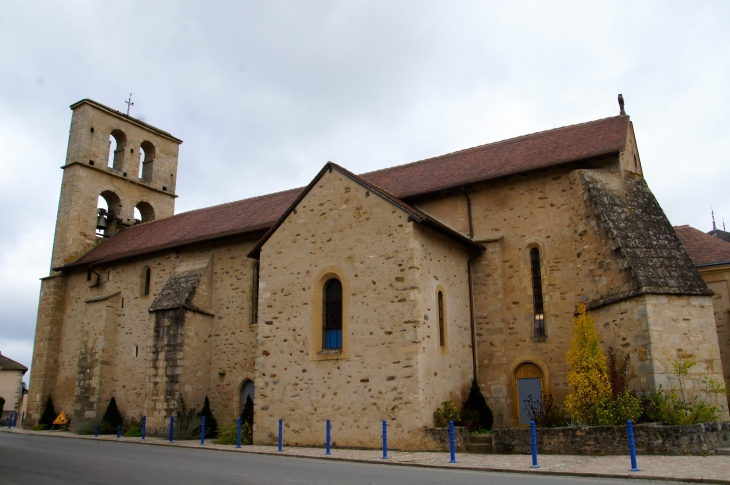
[
  {"x": 119, "y": 161},
  {"x": 116, "y": 161}
]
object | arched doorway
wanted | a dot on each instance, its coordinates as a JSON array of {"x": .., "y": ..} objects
[
  {"x": 528, "y": 390},
  {"x": 247, "y": 396}
]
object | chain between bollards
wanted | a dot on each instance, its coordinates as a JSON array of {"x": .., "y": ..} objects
[
  {"x": 632, "y": 445},
  {"x": 385, "y": 440},
  {"x": 202, "y": 431},
  {"x": 533, "y": 443},
  {"x": 172, "y": 426},
  {"x": 452, "y": 442},
  {"x": 238, "y": 434},
  {"x": 281, "y": 435},
  {"x": 144, "y": 426},
  {"x": 328, "y": 438}
]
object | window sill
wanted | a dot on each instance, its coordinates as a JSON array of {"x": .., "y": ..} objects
[
  {"x": 539, "y": 339},
  {"x": 330, "y": 352}
]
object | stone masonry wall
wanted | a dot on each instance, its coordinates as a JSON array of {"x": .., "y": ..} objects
[{"x": 696, "y": 439}]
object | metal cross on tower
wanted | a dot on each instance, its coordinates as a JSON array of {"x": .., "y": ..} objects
[{"x": 129, "y": 103}]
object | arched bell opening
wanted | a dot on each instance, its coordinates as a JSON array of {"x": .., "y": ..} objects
[
  {"x": 143, "y": 212},
  {"x": 117, "y": 144},
  {"x": 108, "y": 209},
  {"x": 147, "y": 160}
]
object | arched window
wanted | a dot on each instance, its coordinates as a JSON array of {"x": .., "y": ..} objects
[
  {"x": 442, "y": 330},
  {"x": 248, "y": 394},
  {"x": 116, "y": 152},
  {"x": 147, "y": 158},
  {"x": 143, "y": 212},
  {"x": 332, "y": 314},
  {"x": 537, "y": 300},
  {"x": 108, "y": 208},
  {"x": 146, "y": 277},
  {"x": 255, "y": 293}
]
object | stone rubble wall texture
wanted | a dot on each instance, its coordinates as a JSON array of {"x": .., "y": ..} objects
[
  {"x": 98, "y": 339},
  {"x": 695, "y": 439},
  {"x": 718, "y": 280},
  {"x": 390, "y": 358}
]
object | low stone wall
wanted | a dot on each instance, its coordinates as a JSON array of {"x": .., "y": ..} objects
[
  {"x": 437, "y": 439},
  {"x": 650, "y": 439}
]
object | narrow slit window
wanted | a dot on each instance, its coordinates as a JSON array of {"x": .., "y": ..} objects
[
  {"x": 146, "y": 289},
  {"x": 537, "y": 299},
  {"x": 442, "y": 337},
  {"x": 333, "y": 314},
  {"x": 255, "y": 293}
]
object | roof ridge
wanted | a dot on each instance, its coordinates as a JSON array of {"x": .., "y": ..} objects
[{"x": 506, "y": 141}]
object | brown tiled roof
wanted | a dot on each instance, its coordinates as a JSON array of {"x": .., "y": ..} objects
[
  {"x": 485, "y": 162},
  {"x": 10, "y": 364},
  {"x": 413, "y": 213},
  {"x": 703, "y": 248}
]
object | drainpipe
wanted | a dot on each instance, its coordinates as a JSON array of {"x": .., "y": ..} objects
[{"x": 471, "y": 292}]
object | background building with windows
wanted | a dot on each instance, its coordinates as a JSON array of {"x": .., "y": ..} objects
[{"x": 359, "y": 297}]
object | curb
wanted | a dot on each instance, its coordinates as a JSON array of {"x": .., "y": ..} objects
[{"x": 526, "y": 471}]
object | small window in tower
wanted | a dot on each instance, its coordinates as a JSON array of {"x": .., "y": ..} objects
[
  {"x": 332, "y": 314},
  {"x": 442, "y": 329},
  {"x": 537, "y": 299},
  {"x": 146, "y": 282}
]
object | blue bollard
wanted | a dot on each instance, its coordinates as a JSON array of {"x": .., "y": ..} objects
[
  {"x": 22, "y": 419},
  {"x": 452, "y": 442},
  {"x": 96, "y": 431},
  {"x": 533, "y": 442},
  {"x": 238, "y": 434},
  {"x": 632, "y": 446},
  {"x": 202, "y": 432},
  {"x": 10, "y": 421},
  {"x": 328, "y": 438},
  {"x": 144, "y": 426},
  {"x": 281, "y": 434},
  {"x": 385, "y": 440},
  {"x": 119, "y": 431},
  {"x": 172, "y": 426}
]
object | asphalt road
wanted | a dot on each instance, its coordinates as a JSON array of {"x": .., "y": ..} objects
[{"x": 40, "y": 460}]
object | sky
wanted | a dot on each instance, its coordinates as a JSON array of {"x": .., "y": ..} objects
[{"x": 265, "y": 93}]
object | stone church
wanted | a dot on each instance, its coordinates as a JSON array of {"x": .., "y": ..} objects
[{"x": 359, "y": 297}]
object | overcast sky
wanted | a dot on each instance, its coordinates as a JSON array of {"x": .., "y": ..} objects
[{"x": 264, "y": 93}]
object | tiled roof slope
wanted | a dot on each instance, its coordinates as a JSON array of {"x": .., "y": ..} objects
[
  {"x": 516, "y": 155},
  {"x": 640, "y": 231},
  {"x": 704, "y": 249},
  {"x": 10, "y": 364}
]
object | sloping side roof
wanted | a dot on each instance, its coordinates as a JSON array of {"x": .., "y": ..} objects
[
  {"x": 516, "y": 155},
  {"x": 638, "y": 228},
  {"x": 10, "y": 364},
  {"x": 178, "y": 291},
  {"x": 724, "y": 235},
  {"x": 704, "y": 249},
  {"x": 412, "y": 212}
]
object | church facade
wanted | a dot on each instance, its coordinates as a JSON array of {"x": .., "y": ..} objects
[{"x": 359, "y": 297}]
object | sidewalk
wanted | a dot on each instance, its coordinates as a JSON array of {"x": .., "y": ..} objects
[{"x": 706, "y": 469}]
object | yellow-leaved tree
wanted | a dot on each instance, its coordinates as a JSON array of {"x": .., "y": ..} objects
[{"x": 588, "y": 375}]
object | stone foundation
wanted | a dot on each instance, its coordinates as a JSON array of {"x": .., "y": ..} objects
[{"x": 695, "y": 439}]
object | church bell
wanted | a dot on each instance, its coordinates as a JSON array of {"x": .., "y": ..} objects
[{"x": 101, "y": 220}]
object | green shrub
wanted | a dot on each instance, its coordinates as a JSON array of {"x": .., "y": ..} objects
[
  {"x": 132, "y": 427},
  {"x": 187, "y": 423},
  {"x": 40, "y": 427},
  {"x": 672, "y": 407},
  {"x": 618, "y": 410},
  {"x": 112, "y": 416},
  {"x": 211, "y": 425},
  {"x": 227, "y": 434},
  {"x": 475, "y": 413},
  {"x": 447, "y": 412},
  {"x": 49, "y": 413}
]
